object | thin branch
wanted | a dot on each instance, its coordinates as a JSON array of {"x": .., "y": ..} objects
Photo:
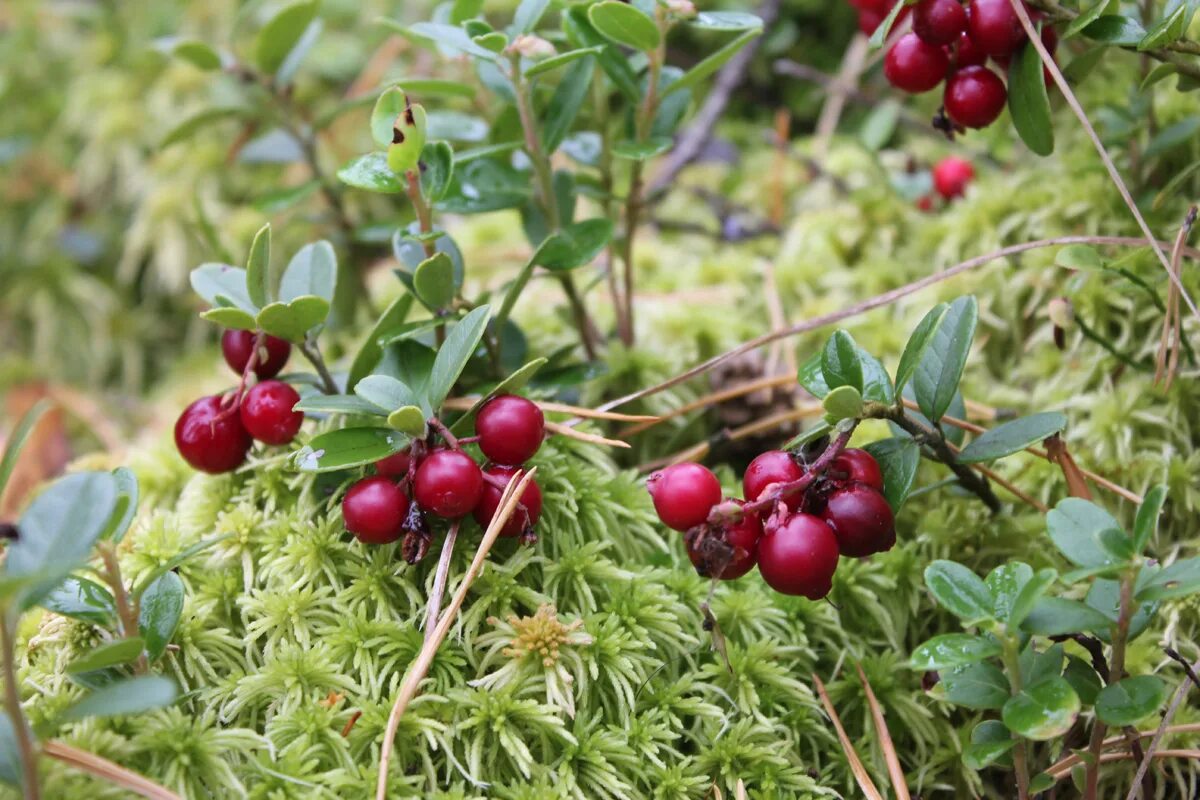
[
  {"x": 108, "y": 771},
  {"x": 126, "y": 612},
  {"x": 1152, "y": 750},
  {"x": 967, "y": 477},
  {"x": 30, "y": 782},
  {"x": 439, "y": 580},
  {"x": 571, "y": 433},
  {"x": 312, "y": 352}
]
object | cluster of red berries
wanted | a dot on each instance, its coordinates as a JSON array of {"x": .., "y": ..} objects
[
  {"x": 950, "y": 178},
  {"x": 214, "y": 433},
  {"x": 793, "y": 523},
  {"x": 951, "y": 42},
  {"x": 446, "y": 482}
]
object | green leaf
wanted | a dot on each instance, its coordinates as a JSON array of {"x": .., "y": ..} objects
[
  {"x": 386, "y": 392},
  {"x": 918, "y": 343},
  {"x": 371, "y": 172},
  {"x": 17, "y": 439},
  {"x": 625, "y": 25},
  {"x": 281, "y": 33},
  {"x": 881, "y": 33},
  {"x": 1028, "y": 101},
  {"x": 898, "y": 458},
  {"x": 1159, "y": 73},
  {"x": 227, "y": 317},
  {"x": 1169, "y": 29},
  {"x": 186, "y": 128},
  {"x": 388, "y": 108},
  {"x": 159, "y": 612},
  {"x": 451, "y": 37},
  {"x": 126, "y": 507},
  {"x": 1116, "y": 544},
  {"x": 131, "y": 696},
  {"x": 953, "y": 650},
  {"x": 1178, "y": 580},
  {"x": 990, "y": 741},
  {"x": 710, "y": 64},
  {"x": 409, "y": 420},
  {"x": 560, "y": 60},
  {"x": 1104, "y": 595},
  {"x": 1083, "y": 680},
  {"x": 455, "y": 352},
  {"x": 217, "y": 282},
  {"x": 1086, "y": 18},
  {"x": 404, "y": 153},
  {"x": 1055, "y": 616},
  {"x": 1075, "y": 526},
  {"x": 959, "y": 590},
  {"x": 641, "y": 151},
  {"x": 11, "y": 771},
  {"x": 843, "y": 402},
  {"x": 1013, "y": 437},
  {"x": 839, "y": 362},
  {"x": 58, "y": 529},
  {"x": 258, "y": 268},
  {"x": 1043, "y": 711},
  {"x": 338, "y": 404},
  {"x": 937, "y": 375},
  {"x": 437, "y": 160},
  {"x": 1028, "y": 597},
  {"x": 575, "y": 245},
  {"x": 726, "y": 21},
  {"x": 349, "y": 447},
  {"x": 1115, "y": 29},
  {"x": 433, "y": 281},
  {"x": 1173, "y": 136},
  {"x": 82, "y": 599},
  {"x": 197, "y": 53},
  {"x": 494, "y": 41},
  {"x": 294, "y": 319},
  {"x": 581, "y": 33},
  {"x": 981, "y": 686},
  {"x": 816, "y": 431},
  {"x": 569, "y": 96},
  {"x": 1005, "y": 583},
  {"x": 311, "y": 272},
  {"x": 370, "y": 352},
  {"x": 113, "y": 654},
  {"x": 529, "y": 14},
  {"x": 1131, "y": 700},
  {"x": 410, "y": 330},
  {"x": 1078, "y": 256}
]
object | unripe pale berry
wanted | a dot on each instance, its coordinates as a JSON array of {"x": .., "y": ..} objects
[
  {"x": 683, "y": 494},
  {"x": 210, "y": 439}
]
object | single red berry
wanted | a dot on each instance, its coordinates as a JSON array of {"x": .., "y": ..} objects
[
  {"x": 683, "y": 494},
  {"x": 209, "y": 444},
  {"x": 510, "y": 429},
  {"x": 995, "y": 27},
  {"x": 915, "y": 66},
  {"x": 878, "y": 6},
  {"x": 974, "y": 97},
  {"x": 742, "y": 536},
  {"x": 799, "y": 556},
  {"x": 267, "y": 413},
  {"x": 861, "y": 519},
  {"x": 238, "y": 345},
  {"x": 374, "y": 510},
  {"x": 966, "y": 53},
  {"x": 924, "y": 203},
  {"x": 771, "y": 468},
  {"x": 489, "y": 502},
  {"x": 853, "y": 465},
  {"x": 939, "y": 21},
  {"x": 951, "y": 176},
  {"x": 872, "y": 14},
  {"x": 448, "y": 484},
  {"x": 396, "y": 465}
]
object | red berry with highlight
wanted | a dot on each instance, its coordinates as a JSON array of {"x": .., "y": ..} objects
[
  {"x": 995, "y": 27},
  {"x": 853, "y": 465},
  {"x": 267, "y": 413},
  {"x": 915, "y": 66},
  {"x": 966, "y": 53},
  {"x": 683, "y": 494},
  {"x": 939, "y": 21},
  {"x": 861, "y": 519},
  {"x": 489, "y": 502},
  {"x": 951, "y": 176},
  {"x": 374, "y": 510},
  {"x": 209, "y": 444},
  {"x": 510, "y": 429},
  {"x": 742, "y": 536},
  {"x": 799, "y": 556},
  {"x": 237, "y": 346},
  {"x": 771, "y": 468},
  {"x": 974, "y": 97},
  {"x": 396, "y": 465},
  {"x": 448, "y": 484}
]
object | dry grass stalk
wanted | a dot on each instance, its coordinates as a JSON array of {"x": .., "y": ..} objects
[
  {"x": 895, "y": 771},
  {"x": 856, "y": 766},
  {"x": 106, "y": 770}
]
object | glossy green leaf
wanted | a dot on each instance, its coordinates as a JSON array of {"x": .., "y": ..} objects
[
  {"x": 258, "y": 268},
  {"x": 294, "y": 319},
  {"x": 159, "y": 612},
  {"x": 82, "y": 599},
  {"x": 17, "y": 438},
  {"x": 371, "y": 172},
  {"x": 338, "y": 404},
  {"x": 281, "y": 33},
  {"x": 569, "y": 96},
  {"x": 937, "y": 375},
  {"x": 1005, "y": 583},
  {"x": 388, "y": 108},
  {"x": 1028, "y": 597},
  {"x": 990, "y": 743},
  {"x": 953, "y": 650},
  {"x": 126, "y": 507},
  {"x": 494, "y": 41},
  {"x": 1043, "y": 711},
  {"x": 10, "y": 753},
  {"x": 898, "y": 459},
  {"x": 451, "y": 37},
  {"x": 433, "y": 281},
  {"x": 918, "y": 343},
  {"x": 959, "y": 590},
  {"x": 409, "y": 420},
  {"x": 575, "y": 245},
  {"x": 455, "y": 352},
  {"x": 1173, "y": 136},
  {"x": 625, "y": 25},
  {"x": 1075, "y": 526},
  {"x": 311, "y": 272},
  {"x": 641, "y": 151},
  {"x": 844, "y": 402},
  {"x": 560, "y": 60},
  {"x": 215, "y": 282},
  {"x": 1118, "y": 546},
  {"x": 981, "y": 686},
  {"x": 1056, "y": 616},
  {"x": 711, "y": 63},
  {"x": 370, "y": 351},
  {"x": 386, "y": 392},
  {"x": 1131, "y": 700},
  {"x": 1178, "y": 580},
  {"x": 615, "y": 65},
  {"x": 1168, "y": 29},
  {"x": 437, "y": 162},
  {"x": 349, "y": 447},
  {"x": 1028, "y": 101},
  {"x": 840, "y": 364},
  {"x": 1086, "y": 18},
  {"x": 1115, "y": 29},
  {"x": 228, "y": 317},
  {"x": 1104, "y": 595},
  {"x": 131, "y": 696},
  {"x": 1013, "y": 437},
  {"x": 113, "y": 654},
  {"x": 408, "y": 142},
  {"x": 1083, "y": 679}
]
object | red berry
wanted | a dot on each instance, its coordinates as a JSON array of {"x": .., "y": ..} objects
[
  {"x": 448, "y": 484},
  {"x": 207, "y": 444},
  {"x": 683, "y": 494},
  {"x": 861, "y": 519},
  {"x": 966, "y": 53},
  {"x": 878, "y": 6},
  {"x": 267, "y": 413},
  {"x": 951, "y": 176},
  {"x": 914, "y": 65},
  {"x": 924, "y": 203},
  {"x": 771, "y": 467},
  {"x": 974, "y": 97},
  {"x": 238, "y": 345},
  {"x": 799, "y": 556},
  {"x": 869, "y": 20},
  {"x": 374, "y": 510},
  {"x": 489, "y": 503},
  {"x": 853, "y": 465},
  {"x": 395, "y": 465},
  {"x": 939, "y": 21},
  {"x": 510, "y": 429},
  {"x": 995, "y": 27},
  {"x": 742, "y": 536}
]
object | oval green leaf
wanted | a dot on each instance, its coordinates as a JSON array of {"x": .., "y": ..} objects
[
  {"x": 1013, "y": 437},
  {"x": 953, "y": 650},
  {"x": 349, "y": 447},
  {"x": 624, "y": 24},
  {"x": 1131, "y": 700},
  {"x": 1043, "y": 711},
  {"x": 1028, "y": 101},
  {"x": 959, "y": 590}
]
